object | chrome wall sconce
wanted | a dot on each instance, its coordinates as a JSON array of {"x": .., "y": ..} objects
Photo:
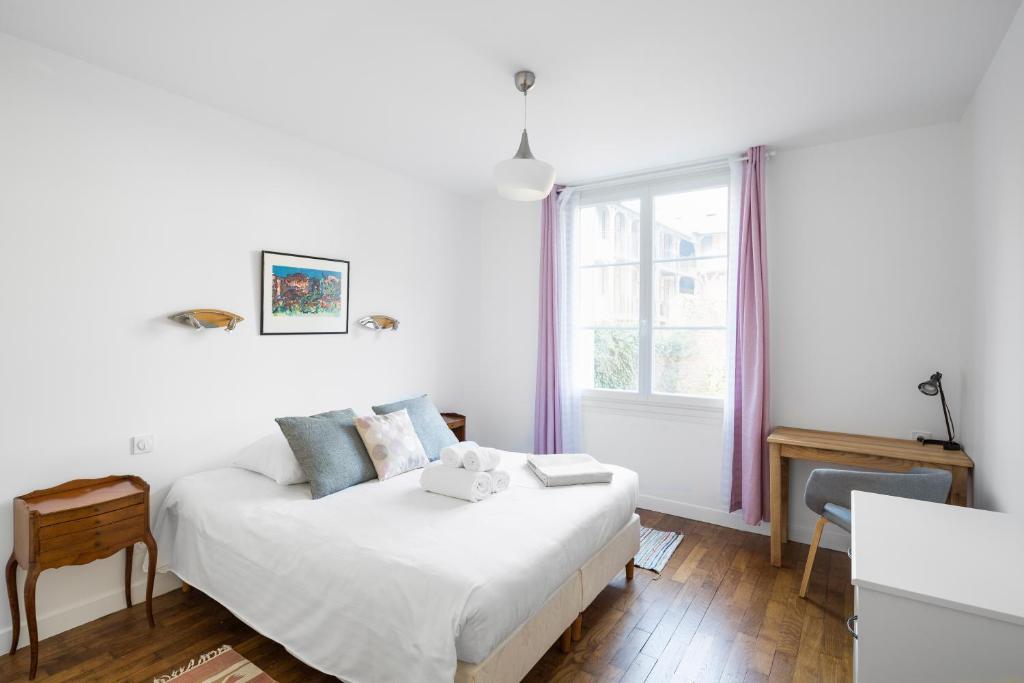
[
  {"x": 207, "y": 318},
  {"x": 378, "y": 322}
]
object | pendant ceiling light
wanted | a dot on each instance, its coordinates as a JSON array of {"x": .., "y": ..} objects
[{"x": 522, "y": 177}]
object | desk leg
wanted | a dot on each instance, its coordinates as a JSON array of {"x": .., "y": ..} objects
[
  {"x": 958, "y": 491},
  {"x": 12, "y": 598},
  {"x": 30, "y": 611},
  {"x": 775, "y": 498},
  {"x": 784, "y": 486}
]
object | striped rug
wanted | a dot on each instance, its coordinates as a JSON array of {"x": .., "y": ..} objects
[
  {"x": 656, "y": 547},
  {"x": 222, "y": 665}
]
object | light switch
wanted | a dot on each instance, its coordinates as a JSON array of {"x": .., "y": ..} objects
[{"x": 143, "y": 444}]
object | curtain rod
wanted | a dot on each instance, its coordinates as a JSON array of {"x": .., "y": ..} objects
[{"x": 702, "y": 165}]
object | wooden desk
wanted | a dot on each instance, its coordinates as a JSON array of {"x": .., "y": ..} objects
[
  {"x": 870, "y": 452},
  {"x": 76, "y": 523}
]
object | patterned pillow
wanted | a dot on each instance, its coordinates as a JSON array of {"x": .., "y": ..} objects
[{"x": 392, "y": 443}]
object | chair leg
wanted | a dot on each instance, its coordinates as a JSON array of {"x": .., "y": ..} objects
[
  {"x": 810, "y": 555},
  {"x": 629, "y": 570},
  {"x": 577, "y": 629}
]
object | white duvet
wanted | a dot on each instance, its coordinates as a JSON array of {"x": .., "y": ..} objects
[{"x": 384, "y": 581}]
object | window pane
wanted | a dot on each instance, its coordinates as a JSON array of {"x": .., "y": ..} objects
[
  {"x": 609, "y": 232},
  {"x": 689, "y": 362},
  {"x": 690, "y": 293},
  {"x": 612, "y": 357},
  {"x": 689, "y": 224},
  {"x": 609, "y": 295}
]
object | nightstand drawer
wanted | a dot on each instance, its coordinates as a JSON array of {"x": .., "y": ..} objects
[
  {"x": 112, "y": 537},
  {"x": 87, "y": 523},
  {"x": 99, "y": 508}
]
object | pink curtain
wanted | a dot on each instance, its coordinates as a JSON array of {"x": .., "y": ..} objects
[
  {"x": 749, "y": 472},
  {"x": 547, "y": 417}
]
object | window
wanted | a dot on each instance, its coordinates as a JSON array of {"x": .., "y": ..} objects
[{"x": 651, "y": 303}]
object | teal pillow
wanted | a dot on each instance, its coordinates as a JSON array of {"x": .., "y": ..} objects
[
  {"x": 329, "y": 450},
  {"x": 433, "y": 431}
]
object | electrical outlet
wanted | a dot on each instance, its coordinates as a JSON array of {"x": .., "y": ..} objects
[
  {"x": 143, "y": 444},
  {"x": 918, "y": 435}
]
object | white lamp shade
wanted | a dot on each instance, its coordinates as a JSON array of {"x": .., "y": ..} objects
[{"x": 524, "y": 180}]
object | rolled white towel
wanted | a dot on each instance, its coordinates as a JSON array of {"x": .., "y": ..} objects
[
  {"x": 499, "y": 480},
  {"x": 481, "y": 459},
  {"x": 456, "y": 482},
  {"x": 453, "y": 455}
]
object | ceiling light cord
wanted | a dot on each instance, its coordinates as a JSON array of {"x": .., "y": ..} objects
[{"x": 524, "y": 110}]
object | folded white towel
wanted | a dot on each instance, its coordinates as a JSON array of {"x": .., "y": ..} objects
[
  {"x": 456, "y": 482},
  {"x": 453, "y": 455},
  {"x": 481, "y": 459},
  {"x": 568, "y": 468},
  {"x": 499, "y": 480}
]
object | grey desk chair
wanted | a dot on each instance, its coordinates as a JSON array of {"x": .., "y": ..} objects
[{"x": 828, "y": 494}]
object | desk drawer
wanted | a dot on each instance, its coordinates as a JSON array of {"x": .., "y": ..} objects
[{"x": 65, "y": 548}]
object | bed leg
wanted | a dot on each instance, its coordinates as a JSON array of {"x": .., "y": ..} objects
[
  {"x": 629, "y": 570},
  {"x": 566, "y": 643},
  {"x": 185, "y": 588},
  {"x": 577, "y": 629}
]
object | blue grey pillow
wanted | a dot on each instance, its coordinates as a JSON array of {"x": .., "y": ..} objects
[
  {"x": 433, "y": 431},
  {"x": 329, "y": 450}
]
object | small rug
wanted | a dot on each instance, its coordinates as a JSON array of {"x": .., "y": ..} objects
[
  {"x": 656, "y": 547},
  {"x": 222, "y": 665}
]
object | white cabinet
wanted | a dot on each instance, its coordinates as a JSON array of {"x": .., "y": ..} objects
[{"x": 938, "y": 593}]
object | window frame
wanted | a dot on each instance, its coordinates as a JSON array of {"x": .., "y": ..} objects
[{"x": 644, "y": 397}]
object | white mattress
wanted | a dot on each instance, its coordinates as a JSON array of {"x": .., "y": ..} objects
[{"x": 384, "y": 581}]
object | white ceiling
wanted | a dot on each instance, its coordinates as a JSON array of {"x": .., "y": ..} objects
[{"x": 426, "y": 87}]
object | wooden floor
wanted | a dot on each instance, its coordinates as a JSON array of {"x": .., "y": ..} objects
[{"x": 719, "y": 612}]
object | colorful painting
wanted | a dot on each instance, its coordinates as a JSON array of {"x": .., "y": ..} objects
[
  {"x": 305, "y": 291},
  {"x": 304, "y": 294}
]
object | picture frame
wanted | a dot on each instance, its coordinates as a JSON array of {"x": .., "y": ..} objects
[{"x": 302, "y": 294}]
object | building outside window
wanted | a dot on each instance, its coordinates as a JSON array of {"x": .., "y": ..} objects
[{"x": 652, "y": 287}]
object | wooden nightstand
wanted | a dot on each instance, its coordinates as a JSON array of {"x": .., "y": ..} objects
[
  {"x": 456, "y": 423},
  {"x": 76, "y": 523}
]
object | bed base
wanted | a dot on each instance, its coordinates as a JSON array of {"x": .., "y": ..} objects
[{"x": 561, "y": 617}]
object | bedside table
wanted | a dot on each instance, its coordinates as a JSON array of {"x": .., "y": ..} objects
[
  {"x": 76, "y": 523},
  {"x": 456, "y": 423}
]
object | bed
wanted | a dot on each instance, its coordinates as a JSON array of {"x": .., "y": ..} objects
[{"x": 386, "y": 582}]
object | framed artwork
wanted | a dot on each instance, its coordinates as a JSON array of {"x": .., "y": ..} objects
[{"x": 303, "y": 294}]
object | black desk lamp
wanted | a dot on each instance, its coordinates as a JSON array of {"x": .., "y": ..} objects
[{"x": 930, "y": 388}]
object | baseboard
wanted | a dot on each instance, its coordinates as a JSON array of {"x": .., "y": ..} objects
[
  {"x": 833, "y": 537},
  {"x": 68, "y": 617}
]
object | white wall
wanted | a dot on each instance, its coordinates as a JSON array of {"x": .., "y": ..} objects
[
  {"x": 509, "y": 290},
  {"x": 120, "y": 205},
  {"x": 865, "y": 274},
  {"x": 994, "y": 402},
  {"x": 863, "y": 256}
]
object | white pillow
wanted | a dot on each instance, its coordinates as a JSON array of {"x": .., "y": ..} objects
[{"x": 272, "y": 457}]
